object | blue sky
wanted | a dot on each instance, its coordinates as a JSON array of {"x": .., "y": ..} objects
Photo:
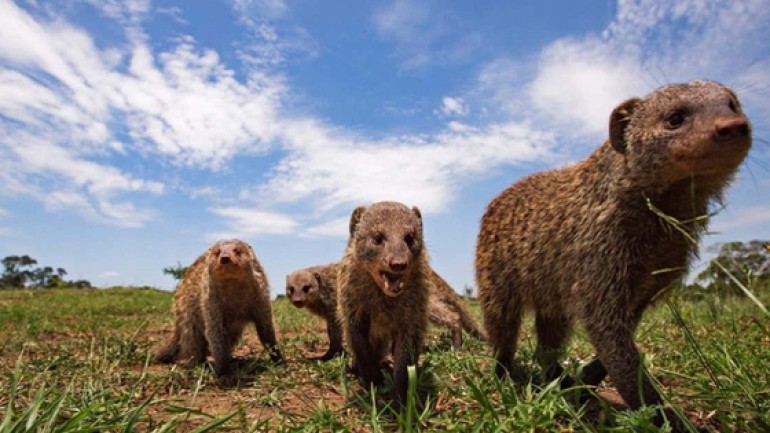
[{"x": 134, "y": 134}]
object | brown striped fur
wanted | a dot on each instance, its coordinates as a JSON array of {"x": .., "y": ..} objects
[
  {"x": 581, "y": 244},
  {"x": 221, "y": 292},
  {"x": 315, "y": 288},
  {"x": 383, "y": 291}
]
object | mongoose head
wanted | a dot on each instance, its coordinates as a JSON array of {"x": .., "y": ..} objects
[
  {"x": 230, "y": 259},
  {"x": 692, "y": 130},
  {"x": 302, "y": 287},
  {"x": 387, "y": 239}
]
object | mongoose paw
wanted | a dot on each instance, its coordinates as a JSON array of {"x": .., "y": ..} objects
[
  {"x": 229, "y": 380},
  {"x": 677, "y": 424},
  {"x": 275, "y": 355},
  {"x": 328, "y": 356}
]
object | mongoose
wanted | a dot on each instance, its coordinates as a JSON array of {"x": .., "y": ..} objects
[
  {"x": 590, "y": 242},
  {"x": 315, "y": 288},
  {"x": 383, "y": 291},
  {"x": 222, "y": 291},
  {"x": 446, "y": 308}
]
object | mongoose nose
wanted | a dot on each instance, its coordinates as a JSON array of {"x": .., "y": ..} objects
[
  {"x": 225, "y": 260},
  {"x": 726, "y": 129},
  {"x": 397, "y": 265}
]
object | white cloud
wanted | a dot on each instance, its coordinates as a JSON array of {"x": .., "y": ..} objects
[
  {"x": 62, "y": 95},
  {"x": 62, "y": 98},
  {"x": 577, "y": 81},
  {"x": 174, "y": 12},
  {"x": 221, "y": 115},
  {"x": 109, "y": 275},
  {"x": 337, "y": 228},
  {"x": 249, "y": 222},
  {"x": 45, "y": 158},
  {"x": 578, "y": 85},
  {"x": 265, "y": 45},
  {"x": 410, "y": 25},
  {"x": 60, "y": 180},
  {"x": 271, "y": 9},
  {"x": 209, "y": 192},
  {"x": 331, "y": 168},
  {"x": 424, "y": 34},
  {"x": 453, "y": 106}
]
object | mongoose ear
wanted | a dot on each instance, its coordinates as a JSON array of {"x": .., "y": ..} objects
[
  {"x": 355, "y": 218},
  {"x": 417, "y": 212},
  {"x": 618, "y": 121},
  {"x": 317, "y": 277}
]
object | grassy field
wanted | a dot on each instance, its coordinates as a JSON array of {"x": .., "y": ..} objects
[{"x": 78, "y": 360}]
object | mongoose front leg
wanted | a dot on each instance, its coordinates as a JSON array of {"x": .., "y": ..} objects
[
  {"x": 405, "y": 353},
  {"x": 217, "y": 338},
  {"x": 364, "y": 358},
  {"x": 335, "y": 341}
]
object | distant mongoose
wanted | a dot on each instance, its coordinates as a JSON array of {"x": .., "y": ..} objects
[
  {"x": 222, "y": 291},
  {"x": 383, "y": 291},
  {"x": 315, "y": 288},
  {"x": 595, "y": 243},
  {"x": 446, "y": 308}
]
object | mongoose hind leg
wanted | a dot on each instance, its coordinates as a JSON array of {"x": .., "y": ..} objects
[
  {"x": 592, "y": 373},
  {"x": 619, "y": 355},
  {"x": 502, "y": 326},
  {"x": 266, "y": 333},
  {"x": 193, "y": 346},
  {"x": 552, "y": 333}
]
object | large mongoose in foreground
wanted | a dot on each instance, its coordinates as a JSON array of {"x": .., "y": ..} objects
[
  {"x": 590, "y": 242},
  {"x": 383, "y": 291},
  {"x": 221, "y": 292},
  {"x": 315, "y": 288}
]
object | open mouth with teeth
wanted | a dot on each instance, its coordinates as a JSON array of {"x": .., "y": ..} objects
[{"x": 392, "y": 284}]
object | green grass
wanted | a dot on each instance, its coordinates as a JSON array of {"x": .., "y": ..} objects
[{"x": 78, "y": 360}]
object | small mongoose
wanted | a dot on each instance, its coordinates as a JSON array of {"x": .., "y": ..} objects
[
  {"x": 221, "y": 292},
  {"x": 315, "y": 288}
]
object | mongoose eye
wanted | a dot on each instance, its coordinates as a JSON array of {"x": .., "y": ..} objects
[
  {"x": 305, "y": 289},
  {"x": 674, "y": 120},
  {"x": 217, "y": 251},
  {"x": 290, "y": 289},
  {"x": 733, "y": 106},
  {"x": 409, "y": 239},
  {"x": 379, "y": 238}
]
